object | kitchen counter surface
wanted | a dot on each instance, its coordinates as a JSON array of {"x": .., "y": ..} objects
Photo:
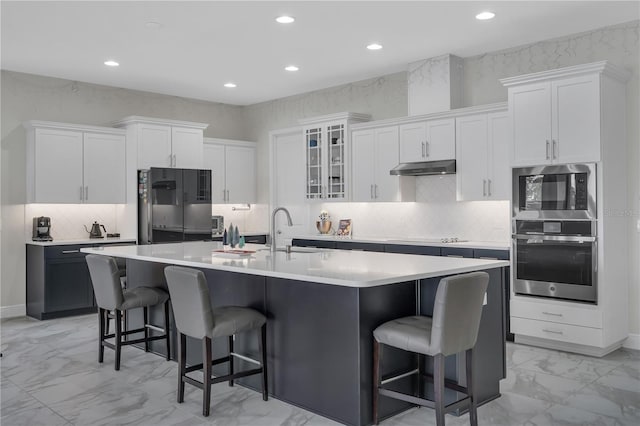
[
  {"x": 82, "y": 241},
  {"x": 436, "y": 242},
  {"x": 337, "y": 267}
]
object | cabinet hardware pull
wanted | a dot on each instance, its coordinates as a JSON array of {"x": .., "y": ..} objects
[
  {"x": 551, "y": 313},
  {"x": 484, "y": 187},
  {"x": 70, "y": 251},
  {"x": 489, "y": 187},
  {"x": 86, "y": 193},
  {"x": 375, "y": 191},
  {"x": 553, "y": 152},
  {"x": 547, "y": 152},
  {"x": 552, "y": 331},
  {"x": 422, "y": 149},
  {"x": 371, "y": 191},
  {"x": 224, "y": 195},
  {"x": 426, "y": 144}
]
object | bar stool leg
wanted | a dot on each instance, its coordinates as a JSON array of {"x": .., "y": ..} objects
[
  {"x": 166, "y": 329},
  {"x": 106, "y": 321},
  {"x": 377, "y": 362},
  {"x": 206, "y": 369},
  {"x": 230, "y": 359},
  {"x": 118, "y": 342},
  {"x": 145, "y": 314},
  {"x": 101, "y": 333},
  {"x": 438, "y": 387},
  {"x": 473, "y": 409},
  {"x": 263, "y": 361},
  {"x": 182, "y": 364}
]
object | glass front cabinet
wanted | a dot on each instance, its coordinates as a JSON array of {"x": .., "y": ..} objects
[{"x": 327, "y": 150}]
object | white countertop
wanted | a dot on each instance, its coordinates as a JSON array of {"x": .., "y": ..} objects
[
  {"x": 435, "y": 242},
  {"x": 82, "y": 241},
  {"x": 337, "y": 267}
]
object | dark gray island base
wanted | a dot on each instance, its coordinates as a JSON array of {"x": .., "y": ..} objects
[{"x": 320, "y": 338}]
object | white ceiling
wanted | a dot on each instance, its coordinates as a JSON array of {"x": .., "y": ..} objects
[{"x": 202, "y": 45}]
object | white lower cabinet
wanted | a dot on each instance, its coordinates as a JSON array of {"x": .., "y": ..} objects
[
  {"x": 233, "y": 167},
  {"x": 374, "y": 153},
  {"x": 561, "y": 321},
  {"x": 482, "y": 157},
  {"x": 68, "y": 163}
]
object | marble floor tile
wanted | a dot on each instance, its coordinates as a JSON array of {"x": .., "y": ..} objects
[
  {"x": 50, "y": 376},
  {"x": 541, "y": 386}
]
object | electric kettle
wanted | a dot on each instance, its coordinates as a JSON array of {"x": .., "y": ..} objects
[{"x": 95, "y": 230}]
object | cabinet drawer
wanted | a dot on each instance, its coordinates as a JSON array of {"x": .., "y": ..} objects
[
  {"x": 491, "y": 254},
  {"x": 456, "y": 252},
  {"x": 65, "y": 251},
  {"x": 256, "y": 239},
  {"x": 561, "y": 314},
  {"x": 555, "y": 331}
]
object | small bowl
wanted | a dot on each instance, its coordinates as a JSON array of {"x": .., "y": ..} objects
[{"x": 323, "y": 226}]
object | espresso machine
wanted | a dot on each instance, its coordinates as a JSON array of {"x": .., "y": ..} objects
[{"x": 42, "y": 229}]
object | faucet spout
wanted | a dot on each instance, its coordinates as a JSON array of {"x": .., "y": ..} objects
[{"x": 272, "y": 231}]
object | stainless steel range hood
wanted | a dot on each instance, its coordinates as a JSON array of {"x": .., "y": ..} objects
[{"x": 425, "y": 168}]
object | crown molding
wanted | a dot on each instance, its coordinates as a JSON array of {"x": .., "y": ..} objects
[
  {"x": 601, "y": 67},
  {"x": 135, "y": 119}
]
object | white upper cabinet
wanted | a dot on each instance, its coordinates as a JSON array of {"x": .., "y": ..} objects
[
  {"x": 556, "y": 115},
  {"x": 165, "y": 143},
  {"x": 233, "y": 170},
  {"x": 68, "y": 163},
  {"x": 431, "y": 140},
  {"x": 482, "y": 161},
  {"x": 375, "y": 153},
  {"x": 327, "y": 155}
]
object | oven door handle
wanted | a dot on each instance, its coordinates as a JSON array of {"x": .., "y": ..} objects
[{"x": 559, "y": 238}]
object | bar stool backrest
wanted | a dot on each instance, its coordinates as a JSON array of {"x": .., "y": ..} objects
[
  {"x": 457, "y": 312},
  {"x": 190, "y": 300},
  {"x": 105, "y": 278}
]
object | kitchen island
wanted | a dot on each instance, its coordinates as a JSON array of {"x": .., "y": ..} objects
[{"x": 322, "y": 307}]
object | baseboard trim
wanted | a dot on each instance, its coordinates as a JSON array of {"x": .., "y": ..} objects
[
  {"x": 13, "y": 311},
  {"x": 632, "y": 342},
  {"x": 566, "y": 346}
]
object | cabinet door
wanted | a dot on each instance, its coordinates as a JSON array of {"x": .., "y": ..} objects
[
  {"x": 241, "y": 174},
  {"x": 530, "y": 109},
  {"x": 58, "y": 167},
  {"x": 412, "y": 142},
  {"x": 213, "y": 158},
  {"x": 575, "y": 119},
  {"x": 472, "y": 158},
  {"x": 104, "y": 169},
  {"x": 387, "y": 156},
  {"x": 186, "y": 146},
  {"x": 68, "y": 285},
  {"x": 499, "y": 168},
  {"x": 154, "y": 146},
  {"x": 336, "y": 160},
  {"x": 314, "y": 142},
  {"x": 362, "y": 165},
  {"x": 440, "y": 143}
]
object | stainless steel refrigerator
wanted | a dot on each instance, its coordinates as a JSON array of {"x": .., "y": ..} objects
[{"x": 174, "y": 205}]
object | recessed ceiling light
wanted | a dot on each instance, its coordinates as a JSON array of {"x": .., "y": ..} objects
[
  {"x": 153, "y": 25},
  {"x": 111, "y": 63},
  {"x": 285, "y": 19},
  {"x": 291, "y": 68},
  {"x": 374, "y": 46},
  {"x": 230, "y": 85},
  {"x": 483, "y": 16}
]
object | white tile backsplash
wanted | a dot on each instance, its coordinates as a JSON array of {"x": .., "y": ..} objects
[
  {"x": 435, "y": 214},
  {"x": 67, "y": 220}
]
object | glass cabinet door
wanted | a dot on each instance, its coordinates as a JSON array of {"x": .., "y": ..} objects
[
  {"x": 313, "y": 141},
  {"x": 336, "y": 172}
]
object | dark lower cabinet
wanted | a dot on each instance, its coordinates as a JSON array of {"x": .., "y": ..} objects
[
  {"x": 348, "y": 245},
  {"x": 299, "y": 242},
  {"x": 58, "y": 281}
]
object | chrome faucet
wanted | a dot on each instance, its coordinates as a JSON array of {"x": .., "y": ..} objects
[{"x": 273, "y": 225}]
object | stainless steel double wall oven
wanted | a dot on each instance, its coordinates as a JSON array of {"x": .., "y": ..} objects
[{"x": 555, "y": 244}]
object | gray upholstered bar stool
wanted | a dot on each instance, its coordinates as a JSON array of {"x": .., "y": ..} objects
[
  {"x": 196, "y": 318},
  {"x": 452, "y": 329},
  {"x": 110, "y": 296}
]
